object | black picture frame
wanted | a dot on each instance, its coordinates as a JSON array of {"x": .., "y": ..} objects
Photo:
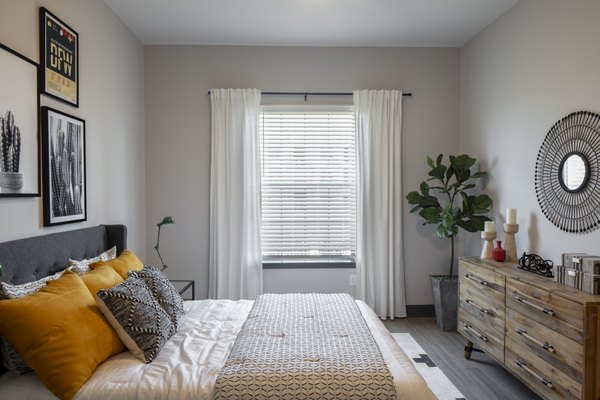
[
  {"x": 19, "y": 125},
  {"x": 59, "y": 59},
  {"x": 64, "y": 167}
]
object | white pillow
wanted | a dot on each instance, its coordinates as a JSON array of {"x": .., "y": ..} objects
[{"x": 83, "y": 266}]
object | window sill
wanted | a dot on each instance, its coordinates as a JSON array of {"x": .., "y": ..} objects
[{"x": 308, "y": 265}]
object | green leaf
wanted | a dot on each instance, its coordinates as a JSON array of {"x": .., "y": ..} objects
[
  {"x": 452, "y": 160},
  {"x": 424, "y": 188},
  {"x": 482, "y": 204},
  {"x": 431, "y": 215},
  {"x": 474, "y": 224},
  {"x": 479, "y": 174},
  {"x": 447, "y": 219},
  {"x": 438, "y": 172},
  {"x": 462, "y": 162},
  {"x": 449, "y": 173},
  {"x": 441, "y": 232},
  {"x": 414, "y": 198},
  {"x": 480, "y": 218},
  {"x": 444, "y": 232},
  {"x": 468, "y": 186},
  {"x": 430, "y": 162},
  {"x": 430, "y": 201},
  {"x": 462, "y": 175},
  {"x": 415, "y": 208},
  {"x": 438, "y": 162},
  {"x": 471, "y": 225}
]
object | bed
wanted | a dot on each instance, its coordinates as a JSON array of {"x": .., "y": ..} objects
[{"x": 188, "y": 365}]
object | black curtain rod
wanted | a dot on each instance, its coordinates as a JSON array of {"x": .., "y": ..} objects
[{"x": 306, "y": 94}]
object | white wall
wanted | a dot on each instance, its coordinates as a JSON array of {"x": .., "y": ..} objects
[
  {"x": 112, "y": 104},
  {"x": 178, "y": 141},
  {"x": 539, "y": 62}
]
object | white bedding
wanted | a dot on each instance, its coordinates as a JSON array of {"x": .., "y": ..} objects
[{"x": 188, "y": 364}]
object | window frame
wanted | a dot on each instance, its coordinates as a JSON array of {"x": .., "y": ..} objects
[{"x": 290, "y": 264}]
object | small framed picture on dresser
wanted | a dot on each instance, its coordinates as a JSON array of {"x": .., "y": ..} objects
[
  {"x": 63, "y": 165},
  {"x": 59, "y": 59}
]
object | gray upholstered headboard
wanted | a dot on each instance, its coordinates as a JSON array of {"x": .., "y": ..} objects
[{"x": 29, "y": 259}]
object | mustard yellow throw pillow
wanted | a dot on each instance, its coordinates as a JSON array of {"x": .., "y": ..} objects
[
  {"x": 103, "y": 277},
  {"x": 126, "y": 262},
  {"x": 60, "y": 332}
]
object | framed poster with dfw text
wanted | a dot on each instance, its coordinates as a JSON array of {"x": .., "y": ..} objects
[
  {"x": 63, "y": 166},
  {"x": 59, "y": 58},
  {"x": 19, "y": 144}
]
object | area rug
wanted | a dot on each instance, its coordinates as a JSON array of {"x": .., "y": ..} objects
[{"x": 439, "y": 383}]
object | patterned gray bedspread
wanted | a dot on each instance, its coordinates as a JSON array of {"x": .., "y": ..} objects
[{"x": 305, "y": 346}]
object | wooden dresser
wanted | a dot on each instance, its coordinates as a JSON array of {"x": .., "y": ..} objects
[{"x": 544, "y": 333}]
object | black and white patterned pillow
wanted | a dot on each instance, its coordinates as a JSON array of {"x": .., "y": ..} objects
[
  {"x": 8, "y": 291},
  {"x": 81, "y": 267},
  {"x": 11, "y": 359},
  {"x": 141, "y": 323},
  {"x": 163, "y": 291}
]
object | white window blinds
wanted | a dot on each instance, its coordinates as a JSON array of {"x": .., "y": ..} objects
[{"x": 308, "y": 159}]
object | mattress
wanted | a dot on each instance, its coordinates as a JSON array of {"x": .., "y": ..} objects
[{"x": 188, "y": 364}]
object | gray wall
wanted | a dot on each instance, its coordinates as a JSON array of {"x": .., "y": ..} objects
[
  {"x": 112, "y": 104},
  {"x": 537, "y": 63},
  {"x": 178, "y": 140}
]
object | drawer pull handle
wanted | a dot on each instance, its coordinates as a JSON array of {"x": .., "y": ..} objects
[
  {"x": 524, "y": 366},
  {"x": 476, "y": 279},
  {"x": 535, "y": 306},
  {"x": 545, "y": 345},
  {"x": 476, "y": 333},
  {"x": 483, "y": 310}
]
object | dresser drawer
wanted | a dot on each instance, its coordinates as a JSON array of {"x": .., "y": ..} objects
[
  {"x": 481, "y": 334},
  {"x": 555, "y": 312},
  {"x": 482, "y": 279},
  {"x": 486, "y": 309},
  {"x": 547, "y": 380},
  {"x": 557, "y": 350}
]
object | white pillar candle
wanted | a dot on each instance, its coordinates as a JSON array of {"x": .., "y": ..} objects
[
  {"x": 511, "y": 216},
  {"x": 490, "y": 226}
]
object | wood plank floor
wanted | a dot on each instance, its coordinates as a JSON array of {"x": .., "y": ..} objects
[{"x": 479, "y": 378}]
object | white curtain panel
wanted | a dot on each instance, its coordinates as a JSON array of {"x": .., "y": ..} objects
[
  {"x": 379, "y": 253},
  {"x": 235, "y": 265}
]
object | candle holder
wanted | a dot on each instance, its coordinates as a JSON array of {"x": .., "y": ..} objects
[
  {"x": 509, "y": 242},
  {"x": 488, "y": 246}
]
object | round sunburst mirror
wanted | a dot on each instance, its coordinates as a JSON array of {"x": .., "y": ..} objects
[{"x": 566, "y": 173}]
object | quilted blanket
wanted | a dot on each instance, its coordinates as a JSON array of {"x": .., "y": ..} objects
[{"x": 305, "y": 346}]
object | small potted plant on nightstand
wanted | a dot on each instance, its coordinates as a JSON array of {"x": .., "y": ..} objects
[{"x": 449, "y": 203}]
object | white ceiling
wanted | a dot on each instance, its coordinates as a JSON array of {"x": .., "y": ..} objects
[{"x": 390, "y": 23}]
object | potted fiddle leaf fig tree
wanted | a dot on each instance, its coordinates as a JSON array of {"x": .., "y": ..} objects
[{"x": 446, "y": 199}]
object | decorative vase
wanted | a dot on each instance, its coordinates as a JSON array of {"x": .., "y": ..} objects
[
  {"x": 499, "y": 254},
  {"x": 11, "y": 182}
]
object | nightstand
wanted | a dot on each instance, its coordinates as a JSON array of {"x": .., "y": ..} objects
[{"x": 182, "y": 285}]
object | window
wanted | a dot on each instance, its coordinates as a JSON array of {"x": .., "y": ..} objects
[{"x": 308, "y": 161}]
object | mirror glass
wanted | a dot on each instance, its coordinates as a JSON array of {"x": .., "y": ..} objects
[{"x": 574, "y": 172}]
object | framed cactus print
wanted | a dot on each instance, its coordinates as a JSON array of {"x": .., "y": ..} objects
[
  {"x": 19, "y": 144},
  {"x": 63, "y": 165},
  {"x": 59, "y": 59}
]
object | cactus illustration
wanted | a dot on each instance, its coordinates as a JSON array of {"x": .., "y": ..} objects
[
  {"x": 66, "y": 164},
  {"x": 10, "y": 142}
]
